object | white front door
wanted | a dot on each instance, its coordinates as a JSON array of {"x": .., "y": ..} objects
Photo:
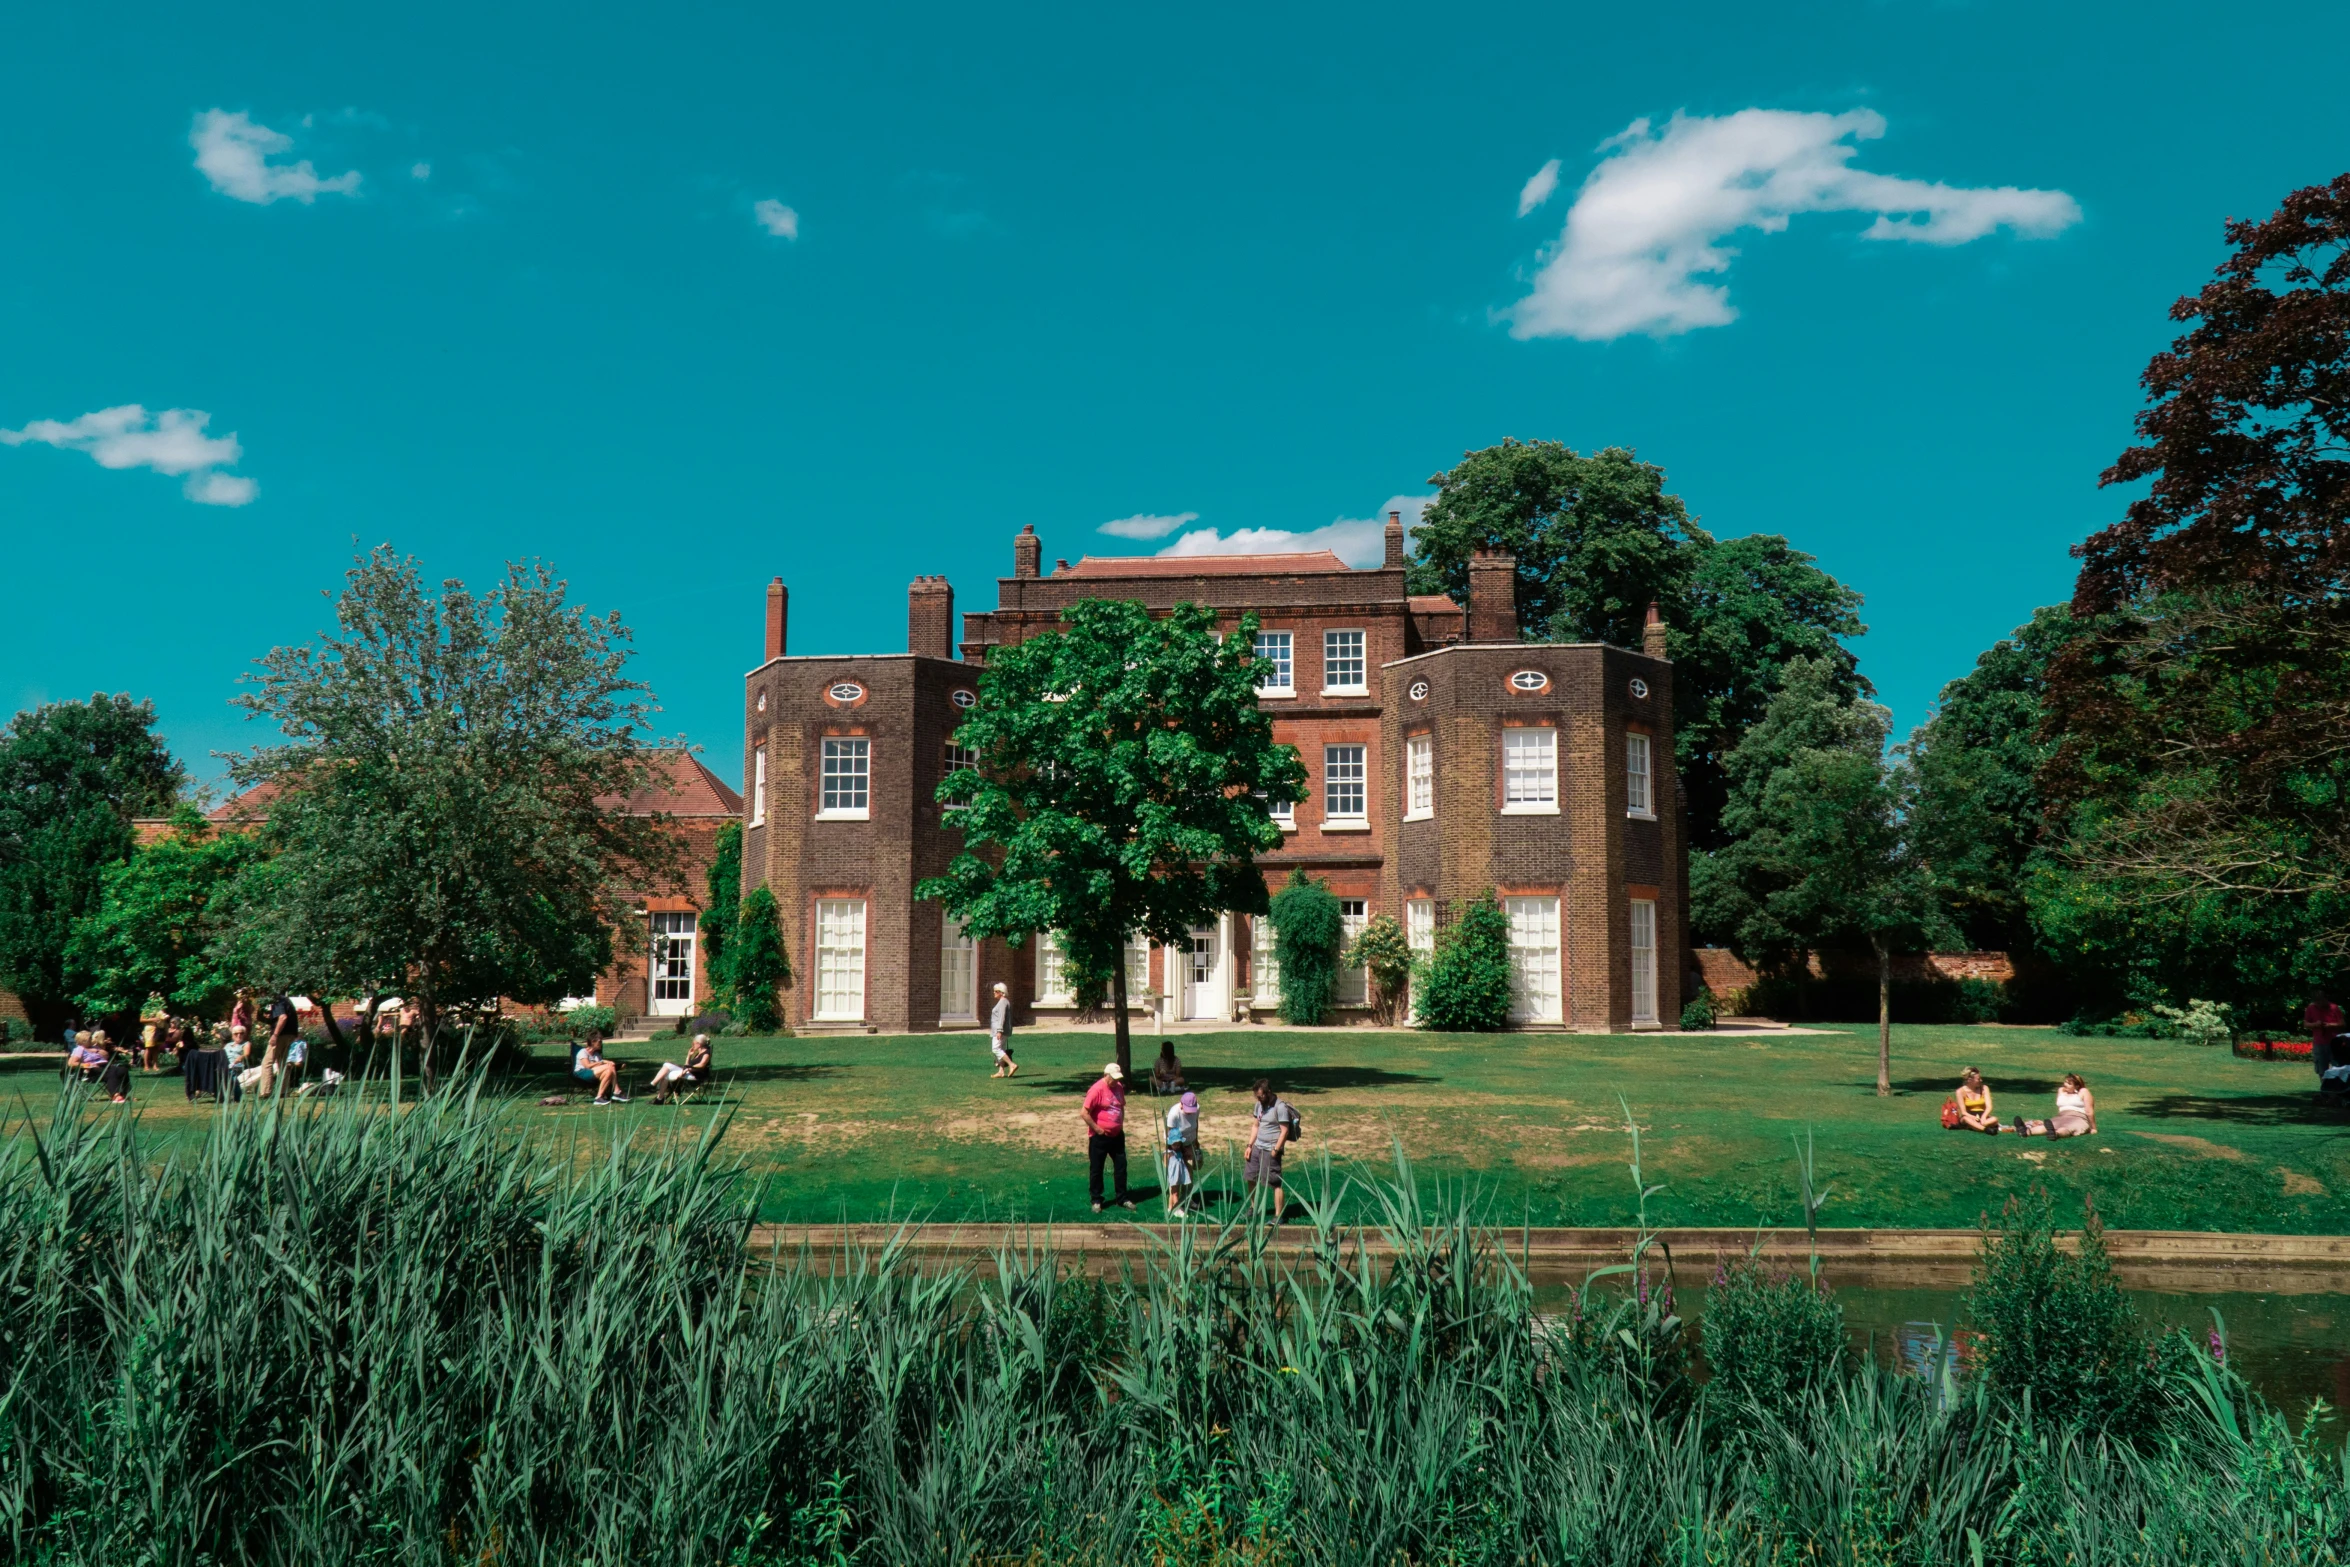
[
  {"x": 958, "y": 974},
  {"x": 673, "y": 965},
  {"x": 1206, "y": 989}
]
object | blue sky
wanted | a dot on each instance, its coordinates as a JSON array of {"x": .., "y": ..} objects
[{"x": 684, "y": 297}]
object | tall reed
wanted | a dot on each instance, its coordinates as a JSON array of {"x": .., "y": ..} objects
[{"x": 336, "y": 1333}]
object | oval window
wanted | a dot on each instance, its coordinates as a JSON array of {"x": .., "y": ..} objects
[
  {"x": 1419, "y": 690},
  {"x": 1639, "y": 687},
  {"x": 846, "y": 691},
  {"x": 964, "y": 699},
  {"x": 762, "y": 701},
  {"x": 1529, "y": 680}
]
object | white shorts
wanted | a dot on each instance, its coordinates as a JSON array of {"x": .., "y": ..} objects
[{"x": 995, "y": 1042}]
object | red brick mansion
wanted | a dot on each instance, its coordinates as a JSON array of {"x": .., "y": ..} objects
[{"x": 1443, "y": 756}]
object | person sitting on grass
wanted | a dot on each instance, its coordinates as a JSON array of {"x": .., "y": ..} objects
[
  {"x": 668, "y": 1075},
  {"x": 1166, "y": 1071},
  {"x": 589, "y": 1066},
  {"x": 2076, "y": 1108},
  {"x": 1974, "y": 1103}
]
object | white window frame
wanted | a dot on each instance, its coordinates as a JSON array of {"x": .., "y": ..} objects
[
  {"x": 840, "y": 967},
  {"x": 759, "y": 785},
  {"x": 1419, "y": 774},
  {"x": 674, "y": 935},
  {"x": 1639, "y": 776},
  {"x": 1264, "y": 964},
  {"x": 1530, "y": 771},
  {"x": 955, "y": 944},
  {"x": 954, "y": 759},
  {"x": 1284, "y": 815},
  {"x": 1285, "y": 661},
  {"x": 1354, "y": 984},
  {"x": 860, "y": 748},
  {"x": 1052, "y": 973},
  {"x": 1334, "y": 818},
  {"x": 1419, "y": 925},
  {"x": 1642, "y": 944},
  {"x": 1537, "y": 968},
  {"x": 1360, "y": 658}
]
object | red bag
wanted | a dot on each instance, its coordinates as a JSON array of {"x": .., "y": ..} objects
[{"x": 1950, "y": 1114}]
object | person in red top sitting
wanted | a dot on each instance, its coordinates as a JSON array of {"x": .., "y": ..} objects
[
  {"x": 2325, "y": 1025},
  {"x": 1105, "y": 1133}
]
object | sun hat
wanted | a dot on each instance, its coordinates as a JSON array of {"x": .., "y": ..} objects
[
  {"x": 1114, "y": 1072},
  {"x": 1189, "y": 1101}
]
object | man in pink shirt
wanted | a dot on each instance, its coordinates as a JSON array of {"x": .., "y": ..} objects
[{"x": 1105, "y": 1133}]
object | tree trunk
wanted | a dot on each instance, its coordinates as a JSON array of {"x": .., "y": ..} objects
[
  {"x": 1118, "y": 1012},
  {"x": 326, "y": 1010},
  {"x": 1884, "y": 1018}
]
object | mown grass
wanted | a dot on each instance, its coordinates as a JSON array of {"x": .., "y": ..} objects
[
  {"x": 864, "y": 1128},
  {"x": 330, "y": 1334}
]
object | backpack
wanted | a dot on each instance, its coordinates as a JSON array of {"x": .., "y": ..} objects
[{"x": 1950, "y": 1114}]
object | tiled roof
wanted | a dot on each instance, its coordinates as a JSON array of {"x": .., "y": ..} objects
[
  {"x": 1205, "y": 565},
  {"x": 690, "y": 790},
  {"x": 685, "y": 788},
  {"x": 1433, "y": 604}
]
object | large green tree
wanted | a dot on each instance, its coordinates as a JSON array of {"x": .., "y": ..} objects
[
  {"x": 1976, "y": 809},
  {"x": 444, "y": 806},
  {"x": 1819, "y": 852},
  {"x": 160, "y": 922},
  {"x": 1125, "y": 774},
  {"x": 1598, "y": 539},
  {"x": 2201, "y": 776},
  {"x": 72, "y": 777}
]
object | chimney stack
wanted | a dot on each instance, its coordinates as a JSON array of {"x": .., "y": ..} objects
[
  {"x": 1493, "y": 597},
  {"x": 1394, "y": 539},
  {"x": 777, "y": 602},
  {"x": 930, "y": 618},
  {"x": 1027, "y": 553},
  {"x": 1652, "y": 635}
]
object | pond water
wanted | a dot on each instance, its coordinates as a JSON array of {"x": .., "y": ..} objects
[{"x": 2292, "y": 1347}]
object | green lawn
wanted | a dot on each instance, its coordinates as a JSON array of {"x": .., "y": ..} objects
[{"x": 869, "y": 1128}]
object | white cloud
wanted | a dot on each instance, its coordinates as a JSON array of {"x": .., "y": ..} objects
[
  {"x": 420, "y": 171},
  {"x": 1649, "y": 221},
  {"x": 1538, "y": 189},
  {"x": 1146, "y": 525},
  {"x": 777, "y": 219},
  {"x": 233, "y": 153},
  {"x": 1359, "y": 541},
  {"x": 171, "y": 442}
]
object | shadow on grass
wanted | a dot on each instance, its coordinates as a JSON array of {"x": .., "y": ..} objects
[
  {"x": 1286, "y": 1081},
  {"x": 2248, "y": 1110},
  {"x": 1997, "y": 1085}
]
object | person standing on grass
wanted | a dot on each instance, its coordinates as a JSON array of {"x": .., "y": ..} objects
[
  {"x": 1182, "y": 1154},
  {"x": 999, "y": 1033},
  {"x": 1277, "y": 1127},
  {"x": 285, "y": 1024},
  {"x": 2324, "y": 1020},
  {"x": 1105, "y": 1134}
]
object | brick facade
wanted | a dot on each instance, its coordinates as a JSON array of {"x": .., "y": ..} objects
[
  {"x": 697, "y": 803},
  {"x": 1372, "y": 667}
]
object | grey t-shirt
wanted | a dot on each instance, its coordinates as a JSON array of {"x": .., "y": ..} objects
[{"x": 1271, "y": 1124}]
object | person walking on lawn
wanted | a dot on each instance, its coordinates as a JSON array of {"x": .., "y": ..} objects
[
  {"x": 1105, "y": 1134},
  {"x": 2324, "y": 1020},
  {"x": 999, "y": 1032},
  {"x": 1277, "y": 1127}
]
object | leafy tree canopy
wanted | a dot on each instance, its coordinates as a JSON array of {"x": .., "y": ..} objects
[
  {"x": 445, "y": 803},
  {"x": 1819, "y": 852},
  {"x": 1597, "y": 538},
  {"x": 72, "y": 776},
  {"x": 159, "y": 924},
  {"x": 1975, "y": 815},
  {"x": 1125, "y": 771},
  {"x": 2202, "y": 715}
]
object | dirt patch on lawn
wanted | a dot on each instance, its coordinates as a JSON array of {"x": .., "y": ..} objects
[
  {"x": 2299, "y": 1185},
  {"x": 2197, "y": 1145}
]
